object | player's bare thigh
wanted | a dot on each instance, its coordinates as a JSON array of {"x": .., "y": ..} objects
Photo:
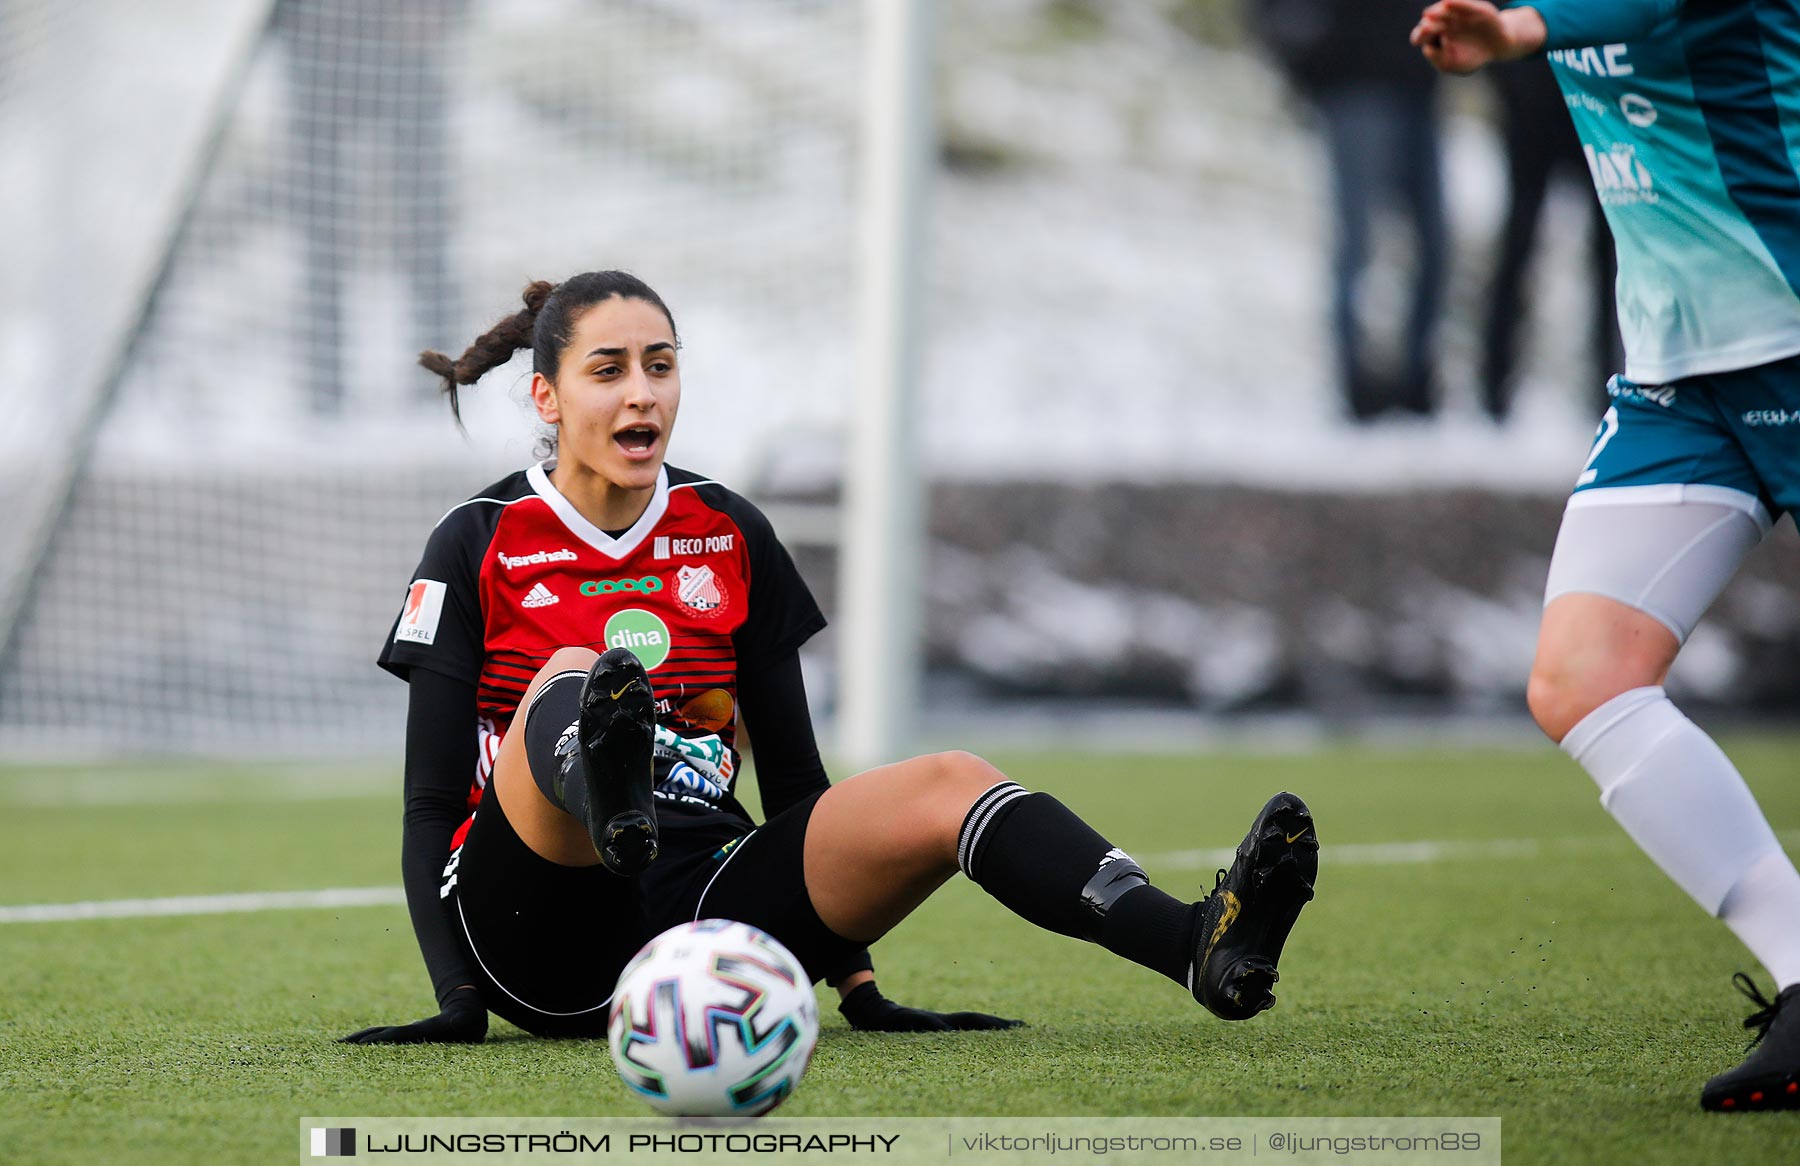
[
  {"x": 550, "y": 833},
  {"x": 878, "y": 844},
  {"x": 1590, "y": 649},
  {"x": 1632, "y": 574}
]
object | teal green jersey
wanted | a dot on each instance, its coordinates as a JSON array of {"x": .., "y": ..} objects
[{"x": 1689, "y": 114}]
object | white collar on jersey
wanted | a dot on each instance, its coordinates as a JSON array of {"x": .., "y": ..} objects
[{"x": 587, "y": 532}]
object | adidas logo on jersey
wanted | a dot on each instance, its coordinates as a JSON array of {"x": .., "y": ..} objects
[{"x": 539, "y": 596}]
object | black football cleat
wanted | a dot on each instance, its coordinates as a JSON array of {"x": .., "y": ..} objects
[
  {"x": 616, "y": 735},
  {"x": 1769, "y": 1078},
  {"x": 1245, "y": 921}
]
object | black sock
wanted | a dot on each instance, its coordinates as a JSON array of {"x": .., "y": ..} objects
[
  {"x": 550, "y": 748},
  {"x": 1152, "y": 927},
  {"x": 1048, "y": 866},
  {"x": 569, "y": 784}
]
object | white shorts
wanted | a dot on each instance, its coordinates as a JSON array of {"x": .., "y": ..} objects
[{"x": 1667, "y": 550}]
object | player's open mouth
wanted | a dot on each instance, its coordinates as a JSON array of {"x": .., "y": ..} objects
[{"x": 637, "y": 441}]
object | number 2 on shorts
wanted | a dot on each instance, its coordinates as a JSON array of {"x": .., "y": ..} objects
[{"x": 1609, "y": 427}]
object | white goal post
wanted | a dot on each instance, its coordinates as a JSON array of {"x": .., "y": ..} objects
[{"x": 884, "y": 497}]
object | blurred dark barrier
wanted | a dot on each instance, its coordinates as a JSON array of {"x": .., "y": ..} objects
[{"x": 1226, "y": 598}]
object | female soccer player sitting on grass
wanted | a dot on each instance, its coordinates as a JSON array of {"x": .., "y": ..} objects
[{"x": 580, "y": 639}]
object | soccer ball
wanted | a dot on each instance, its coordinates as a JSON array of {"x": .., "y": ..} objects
[{"x": 713, "y": 1018}]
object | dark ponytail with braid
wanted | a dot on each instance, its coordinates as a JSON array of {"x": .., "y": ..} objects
[{"x": 542, "y": 325}]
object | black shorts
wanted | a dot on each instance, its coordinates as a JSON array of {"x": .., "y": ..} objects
[{"x": 547, "y": 942}]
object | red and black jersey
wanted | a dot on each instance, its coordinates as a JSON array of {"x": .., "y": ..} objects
[{"x": 699, "y": 588}]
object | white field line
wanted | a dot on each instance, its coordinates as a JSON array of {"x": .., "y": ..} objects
[
  {"x": 1393, "y": 853},
  {"x": 64, "y": 791},
  {"x": 203, "y": 905},
  {"x": 1426, "y": 852},
  {"x": 1343, "y": 854}
]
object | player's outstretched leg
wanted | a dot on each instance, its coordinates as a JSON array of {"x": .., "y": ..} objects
[
  {"x": 879, "y": 843},
  {"x": 613, "y": 756},
  {"x": 1245, "y": 922},
  {"x": 1223, "y": 949},
  {"x": 1769, "y": 1077}
]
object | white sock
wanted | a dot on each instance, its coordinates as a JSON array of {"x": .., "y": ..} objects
[
  {"x": 1676, "y": 794},
  {"x": 1763, "y": 909}
]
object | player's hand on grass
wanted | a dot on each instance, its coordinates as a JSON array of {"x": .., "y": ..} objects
[
  {"x": 869, "y": 1011},
  {"x": 1461, "y": 36},
  {"x": 463, "y": 1021}
]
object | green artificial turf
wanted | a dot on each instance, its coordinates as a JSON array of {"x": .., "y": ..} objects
[{"x": 1537, "y": 968}]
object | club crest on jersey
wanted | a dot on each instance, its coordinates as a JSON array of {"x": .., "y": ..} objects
[{"x": 699, "y": 589}]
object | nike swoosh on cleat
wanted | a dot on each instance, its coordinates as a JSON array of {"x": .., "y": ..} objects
[
  {"x": 629, "y": 683},
  {"x": 1293, "y": 838},
  {"x": 1227, "y": 917}
]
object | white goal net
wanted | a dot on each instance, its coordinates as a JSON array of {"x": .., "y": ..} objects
[{"x": 235, "y": 226}]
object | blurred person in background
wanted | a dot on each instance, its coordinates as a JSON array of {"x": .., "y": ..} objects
[
  {"x": 1690, "y": 117},
  {"x": 1377, "y": 103},
  {"x": 367, "y": 105},
  {"x": 1541, "y": 147}
]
